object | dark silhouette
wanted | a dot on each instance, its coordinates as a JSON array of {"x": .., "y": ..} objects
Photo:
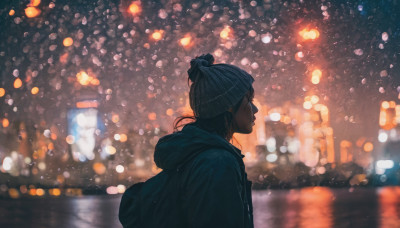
[{"x": 203, "y": 182}]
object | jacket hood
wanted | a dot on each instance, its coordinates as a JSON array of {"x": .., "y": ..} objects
[{"x": 172, "y": 151}]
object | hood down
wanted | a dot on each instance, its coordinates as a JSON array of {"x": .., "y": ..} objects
[{"x": 172, "y": 151}]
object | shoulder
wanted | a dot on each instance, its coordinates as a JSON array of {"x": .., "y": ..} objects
[{"x": 216, "y": 160}]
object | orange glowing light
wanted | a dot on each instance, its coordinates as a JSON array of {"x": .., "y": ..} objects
[
  {"x": 34, "y": 3},
  {"x": 2, "y": 92},
  {"x": 68, "y": 41},
  {"x": 50, "y": 146},
  {"x": 13, "y": 193},
  {"x": 123, "y": 138},
  {"x": 35, "y": 90},
  {"x": 40, "y": 192},
  {"x": 95, "y": 81},
  {"x": 314, "y": 99},
  {"x": 316, "y": 76},
  {"x": 152, "y": 116},
  {"x": 70, "y": 139},
  {"x": 226, "y": 33},
  {"x": 299, "y": 56},
  {"x": 186, "y": 41},
  {"x": 32, "y": 192},
  {"x": 17, "y": 83},
  {"x": 99, "y": 168},
  {"x": 317, "y": 73},
  {"x": 157, "y": 35},
  {"x": 55, "y": 192},
  {"x": 64, "y": 58},
  {"x": 170, "y": 112},
  {"x": 53, "y": 136},
  {"x": 368, "y": 147},
  {"x": 32, "y": 12},
  {"x": 307, "y": 105},
  {"x": 385, "y": 105},
  {"x": 11, "y": 13},
  {"x": 115, "y": 118},
  {"x": 315, "y": 80},
  {"x": 85, "y": 79},
  {"x": 135, "y": 8},
  {"x": 309, "y": 34},
  {"x": 5, "y": 122},
  {"x": 87, "y": 104}
]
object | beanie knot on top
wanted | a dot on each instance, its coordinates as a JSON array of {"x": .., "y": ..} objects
[
  {"x": 215, "y": 88},
  {"x": 195, "y": 64}
]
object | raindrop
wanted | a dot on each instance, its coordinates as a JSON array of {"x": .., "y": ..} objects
[
  {"x": 16, "y": 73},
  {"x": 358, "y": 52},
  {"x": 385, "y": 36},
  {"x": 383, "y": 73}
]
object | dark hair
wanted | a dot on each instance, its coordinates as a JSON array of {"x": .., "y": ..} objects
[{"x": 221, "y": 124}]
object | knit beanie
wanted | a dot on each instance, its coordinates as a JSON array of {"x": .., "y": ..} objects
[{"x": 215, "y": 88}]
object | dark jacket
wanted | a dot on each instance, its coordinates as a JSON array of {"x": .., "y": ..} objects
[{"x": 213, "y": 184}]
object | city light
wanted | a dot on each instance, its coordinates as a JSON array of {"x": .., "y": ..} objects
[
  {"x": 99, "y": 168},
  {"x": 186, "y": 41},
  {"x": 272, "y": 157},
  {"x": 119, "y": 169},
  {"x": 157, "y": 35},
  {"x": 2, "y": 92},
  {"x": 135, "y": 8},
  {"x": 307, "y": 34},
  {"x": 226, "y": 33},
  {"x": 5, "y": 122},
  {"x": 85, "y": 79},
  {"x": 316, "y": 76},
  {"x": 385, "y": 164},
  {"x": 68, "y": 41},
  {"x": 7, "y": 163},
  {"x": 383, "y": 136},
  {"x": 275, "y": 116},
  {"x": 266, "y": 38},
  {"x": 17, "y": 83},
  {"x": 152, "y": 116},
  {"x": 34, "y": 3},
  {"x": 35, "y": 90},
  {"x": 368, "y": 147},
  {"x": 111, "y": 150},
  {"x": 32, "y": 12}
]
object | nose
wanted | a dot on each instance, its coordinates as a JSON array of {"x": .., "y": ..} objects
[{"x": 254, "y": 108}]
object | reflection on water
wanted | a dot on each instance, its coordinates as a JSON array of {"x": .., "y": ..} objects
[
  {"x": 314, "y": 207},
  {"x": 324, "y": 208},
  {"x": 389, "y": 207},
  {"x": 303, "y": 208}
]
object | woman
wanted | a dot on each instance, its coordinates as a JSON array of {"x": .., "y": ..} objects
[{"x": 214, "y": 188}]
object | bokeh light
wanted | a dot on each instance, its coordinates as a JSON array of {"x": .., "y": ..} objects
[
  {"x": 311, "y": 34},
  {"x": 32, "y": 12},
  {"x": 17, "y": 83},
  {"x": 68, "y": 41},
  {"x": 135, "y": 8},
  {"x": 35, "y": 90}
]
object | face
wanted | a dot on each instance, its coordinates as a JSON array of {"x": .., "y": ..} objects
[{"x": 243, "y": 119}]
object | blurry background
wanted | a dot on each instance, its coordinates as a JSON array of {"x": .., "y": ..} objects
[{"x": 88, "y": 87}]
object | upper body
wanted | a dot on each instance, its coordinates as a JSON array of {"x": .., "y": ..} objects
[{"x": 214, "y": 188}]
